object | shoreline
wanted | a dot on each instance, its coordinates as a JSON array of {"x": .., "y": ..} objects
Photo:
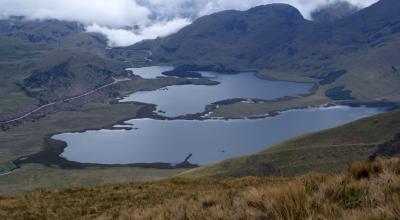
[
  {"x": 52, "y": 149},
  {"x": 51, "y": 152},
  {"x": 389, "y": 105}
]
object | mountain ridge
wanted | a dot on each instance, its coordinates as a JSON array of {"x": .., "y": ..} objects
[{"x": 276, "y": 39}]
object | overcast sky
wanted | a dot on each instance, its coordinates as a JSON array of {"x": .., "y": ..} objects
[{"x": 153, "y": 17}]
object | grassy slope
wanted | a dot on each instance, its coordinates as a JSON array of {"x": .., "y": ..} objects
[
  {"x": 15, "y": 56},
  {"x": 370, "y": 77},
  {"x": 34, "y": 176},
  {"x": 30, "y": 45},
  {"x": 330, "y": 150},
  {"x": 367, "y": 191}
]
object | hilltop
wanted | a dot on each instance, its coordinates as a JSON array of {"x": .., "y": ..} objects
[{"x": 368, "y": 190}]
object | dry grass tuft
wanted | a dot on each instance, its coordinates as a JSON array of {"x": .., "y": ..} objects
[
  {"x": 287, "y": 202},
  {"x": 360, "y": 170}
]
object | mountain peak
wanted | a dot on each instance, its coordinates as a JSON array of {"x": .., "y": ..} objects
[{"x": 277, "y": 10}]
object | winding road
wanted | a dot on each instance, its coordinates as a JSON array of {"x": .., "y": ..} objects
[{"x": 65, "y": 100}]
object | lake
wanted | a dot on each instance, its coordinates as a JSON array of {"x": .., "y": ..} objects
[
  {"x": 172, "y": 140},
  {"x": 150, "y": 72},
  {"x": 179, "y": 100}
]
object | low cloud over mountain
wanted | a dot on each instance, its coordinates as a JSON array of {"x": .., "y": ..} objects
[
  {"x": 126, "y": 22},
  {"x": 333, "y": 11}
]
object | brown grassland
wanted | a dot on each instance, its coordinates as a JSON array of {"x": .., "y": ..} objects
[{"x": 367, "y": 190}]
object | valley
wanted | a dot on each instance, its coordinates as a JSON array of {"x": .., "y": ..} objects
[
  {"x": 209, "y": 120},
  {"x": 170, "y": 104},
  {"x": 137, "y": 142},
  {"x": 91, "y": 115}
]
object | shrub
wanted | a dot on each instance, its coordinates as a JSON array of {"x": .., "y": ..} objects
[{"x": 362, "y": 170}]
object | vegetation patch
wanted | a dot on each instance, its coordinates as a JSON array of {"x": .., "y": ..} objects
[
  {"x": 390, "y": 148},
  {"x": 187, "y": 68},
  {"x": 183, "y": 74},
  {"x": 339, "y": 93},
  {"x": 330, "y": 77}
]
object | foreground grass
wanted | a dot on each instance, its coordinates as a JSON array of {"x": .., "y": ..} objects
[
  {"x": 332, "y": 150},
  {"x": 368, "y": 190},
  {"x": 32, "y": 177}
]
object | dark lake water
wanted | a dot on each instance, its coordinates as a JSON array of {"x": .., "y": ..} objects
[
  {"x": 208, "y": 141},
  {"x": 189, "y": 99}
]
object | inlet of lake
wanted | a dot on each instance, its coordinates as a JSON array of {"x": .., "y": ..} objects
[{"x": 171, "y": 141}]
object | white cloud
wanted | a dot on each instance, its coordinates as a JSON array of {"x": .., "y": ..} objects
[
  {"x": 162, "y": 29},
  {"x": 116, "y": 13},
  {"x": 122, "y": 37},
  {"x": 153, "y": 17}
]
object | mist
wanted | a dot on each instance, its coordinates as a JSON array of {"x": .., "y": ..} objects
[{"x": 333, "y": 12}]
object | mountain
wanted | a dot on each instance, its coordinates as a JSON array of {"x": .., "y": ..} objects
[
  {"x": 234, "y": 36},
  {"x": 50, "y": 60},
  {"x": 352, "y": 58},
  {"x": 55, "y": 33},
  {"x": 64, "y": 74},
  {"x": 277, "y": 41}
]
